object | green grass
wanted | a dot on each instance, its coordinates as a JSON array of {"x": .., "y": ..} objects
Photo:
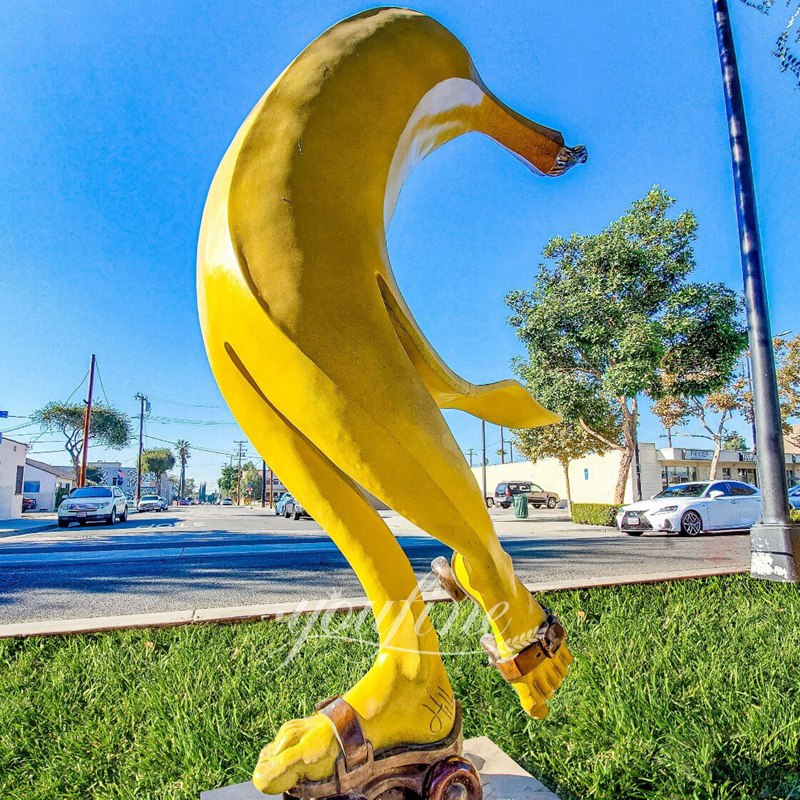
[{"x": 679, "y": 690}]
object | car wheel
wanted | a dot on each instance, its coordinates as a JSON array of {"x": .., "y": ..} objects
[
  {"x": 124, "y": 516},
  {"x": 63, "y": 523},
  {"x": 552, "y": 502},
  {"x": 286, "y": 514},
  {"x": 296, "y": 514},
  {"x": 691, "y": 524},
  {"x": 505, "y": 505},
  {"x": 633, "y": 533},
  {"x": 112, "y": 517}
]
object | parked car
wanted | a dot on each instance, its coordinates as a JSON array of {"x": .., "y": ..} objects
[
  {"x": 130, "y": 502},
  {"x": 537, "y": 497},
  {"x": 226, "y": 501},
  {"x": 293, "y": 508},
  {"x": 280, "y": 506},
  {"x": 28, "y": 504},
  {"x": 692, "y": 508},
  {"x": 164, "y": 503},
  {"x": 150, "y": 502},
  {"x": 93, "y": 504},
  {"x": 794, "y": 496}
]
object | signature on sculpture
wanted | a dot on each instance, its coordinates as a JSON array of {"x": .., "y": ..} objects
[{"x": 292, "y": 261}]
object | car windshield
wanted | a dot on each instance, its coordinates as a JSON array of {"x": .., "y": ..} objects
[
  {"x": 795, "y": 490},
  {"x": 683, "y": 490},
  {"x": 92, "y": 491},
  {"x": 150, "y": 497}
]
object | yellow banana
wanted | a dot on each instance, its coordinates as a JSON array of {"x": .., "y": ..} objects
[{"x": 321, "y": 361}]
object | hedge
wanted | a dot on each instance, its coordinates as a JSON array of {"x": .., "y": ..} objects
[
  {"x": 595, "y": 513},
  {"x": 794, "y": 514}
]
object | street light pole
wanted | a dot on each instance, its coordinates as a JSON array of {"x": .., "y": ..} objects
[
  {"x": 142, "y": 400},
  {"x": 774, "y": 540},
  {"x": 483, "y": 457},
  {"x": 87, "y": 426}
]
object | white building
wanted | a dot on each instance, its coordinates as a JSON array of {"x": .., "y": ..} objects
[
  {"x": 593, "y": 479},
  {"x": 44, "y": 482},
  {"x": 114, "y": 474},
  {"x": 12, "y": 477}
]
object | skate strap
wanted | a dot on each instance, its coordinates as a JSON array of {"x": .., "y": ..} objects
[
  {"x": 549, "y": 637},
  {"x": 443, "y": 570},
  {"x": 344, "y": 719}
]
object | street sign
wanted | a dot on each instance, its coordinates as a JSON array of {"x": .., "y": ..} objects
[{"x": 3, "y": 414}]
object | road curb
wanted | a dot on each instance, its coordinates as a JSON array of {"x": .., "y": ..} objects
[
  {"x": 268, "y": 611},
  {"x": 45, "y": 526}
]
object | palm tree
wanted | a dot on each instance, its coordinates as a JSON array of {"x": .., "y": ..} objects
[{"x": 182, "y": 450}]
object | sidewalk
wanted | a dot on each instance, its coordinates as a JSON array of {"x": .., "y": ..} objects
[{"x": 30, "y": 524}]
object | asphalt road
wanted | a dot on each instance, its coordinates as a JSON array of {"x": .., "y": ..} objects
[{"x": 208, "y": 556}]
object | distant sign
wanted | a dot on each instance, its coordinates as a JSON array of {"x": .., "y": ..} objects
[
  {"x": 586, "y": 474},
  {"x": 698, "y": 455},
  {"x": 747, "y": 456},
  {"x": 3, "y": 414}
]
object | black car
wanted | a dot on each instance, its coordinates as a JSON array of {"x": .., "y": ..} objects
[{"x": 28, "y": 504}]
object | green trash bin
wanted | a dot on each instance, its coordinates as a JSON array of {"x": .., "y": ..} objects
[{"x": 520, "y": 506}]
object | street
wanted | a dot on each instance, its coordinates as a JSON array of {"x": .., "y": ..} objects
[{"x": 210, "y": 556}]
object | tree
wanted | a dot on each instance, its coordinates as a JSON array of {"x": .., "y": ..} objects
[
  {"x": 251, "y": 480},
  {"x": 613, "y": 314},
  {"x": 734, "y": 440},
  {"x": 157, "y": 461},
  {"x": 788, "y": 60},
  {"x": 714, "y": 412},
  {"x": 787, "y": 358},
  {"x": 567, "y": 440},
  {"x": 227, "y": 480},
  {"x": 182, "y": 449},
  {"x": 94, "y": 474},
  {"x": 108, "y": 427}
]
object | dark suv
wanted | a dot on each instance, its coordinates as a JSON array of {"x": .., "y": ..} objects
[{"x": 537, "y": 497}]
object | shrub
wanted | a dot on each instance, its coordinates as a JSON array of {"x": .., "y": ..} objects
[
  {"x": 595, "y": 513},
  {"x": 794, "y": 514}
]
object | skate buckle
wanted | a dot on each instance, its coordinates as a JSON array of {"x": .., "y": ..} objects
[
  {"x": 548, "y": 638},
  {"x": 436, "y": 771}
]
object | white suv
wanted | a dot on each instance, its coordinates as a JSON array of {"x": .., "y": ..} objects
[{"x": 92, "y": 504}]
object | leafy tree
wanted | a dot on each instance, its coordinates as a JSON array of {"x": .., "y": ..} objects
[
  {"x": 714, "y": 412},
  {"x": 108, "y": 427},
  {"x": 94, "y": 474},
  {"x": 734, "y": 441},
  {"x": 783, "y": 52},
  {"x": 567, "y": 440},
  {"x": 612, "y": 314},
  {"x": 157, "y": 461},
  {"x": 227, "y": 480},
  {"x": 182, "y": 449},
  {"x": 251, "y": 480}
]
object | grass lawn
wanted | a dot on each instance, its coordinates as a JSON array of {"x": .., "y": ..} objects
[{"x": 679, "y": 690}]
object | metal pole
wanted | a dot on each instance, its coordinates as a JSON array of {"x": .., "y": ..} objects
[
  {"x": 87, "y": 421},
  {"x": 263, "y": 483},
  {"x": 774, "y": 541},
  {"x": 142, "y": 400},
  {"x": 483, "y": 461},
  {"x": 502, "y": 447},
  {"x": 271, "y": 503}
]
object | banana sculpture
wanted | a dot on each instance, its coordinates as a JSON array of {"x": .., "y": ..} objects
[{"x": 326, "y": 370}]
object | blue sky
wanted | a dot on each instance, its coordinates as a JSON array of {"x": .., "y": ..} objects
[{"x": 114, "y": 116}]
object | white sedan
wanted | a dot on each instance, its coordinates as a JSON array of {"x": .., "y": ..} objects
[{"x": 691, "y": 508}]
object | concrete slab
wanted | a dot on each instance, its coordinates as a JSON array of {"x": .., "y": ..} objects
[{"x": 502, "y": 778}]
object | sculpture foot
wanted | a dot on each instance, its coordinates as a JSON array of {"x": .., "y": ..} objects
[
  {"x": 567, "y": 158},
  {"x": 405, "y": 699},
  {"x": 435, "y": 771},
  {"x": 531, "y": 657}
]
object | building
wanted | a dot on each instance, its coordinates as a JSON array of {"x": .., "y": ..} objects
[
  {"x": 46, "y": 484},
  {"x": 593, "y": 479},
  {"x": 114, "y": 474},
  {"x": 12, "y": 477}
]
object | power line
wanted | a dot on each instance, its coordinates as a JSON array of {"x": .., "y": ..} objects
[{"x": 100, "y": 378}]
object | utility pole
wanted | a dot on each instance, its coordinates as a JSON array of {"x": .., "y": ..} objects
[
  {"x": 87, "y": 421},
  {"x": 470, "y": 453},
  {"x": 511, "y": 450},
  {"x": 483, "y": 460},
  {"x": 271, "y": 504},
  {"x": 142, "y": 401},
  {"x": 502, "y": 447},
  {"x": 263, "y": 483},
  {"x": 240, "y": 455},
  {"x": 774, "y": 541}
]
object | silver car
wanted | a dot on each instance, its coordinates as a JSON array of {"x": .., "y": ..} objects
[
  {"x": 150, "y": 502},
  {"x": 93, "y": 504}
]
